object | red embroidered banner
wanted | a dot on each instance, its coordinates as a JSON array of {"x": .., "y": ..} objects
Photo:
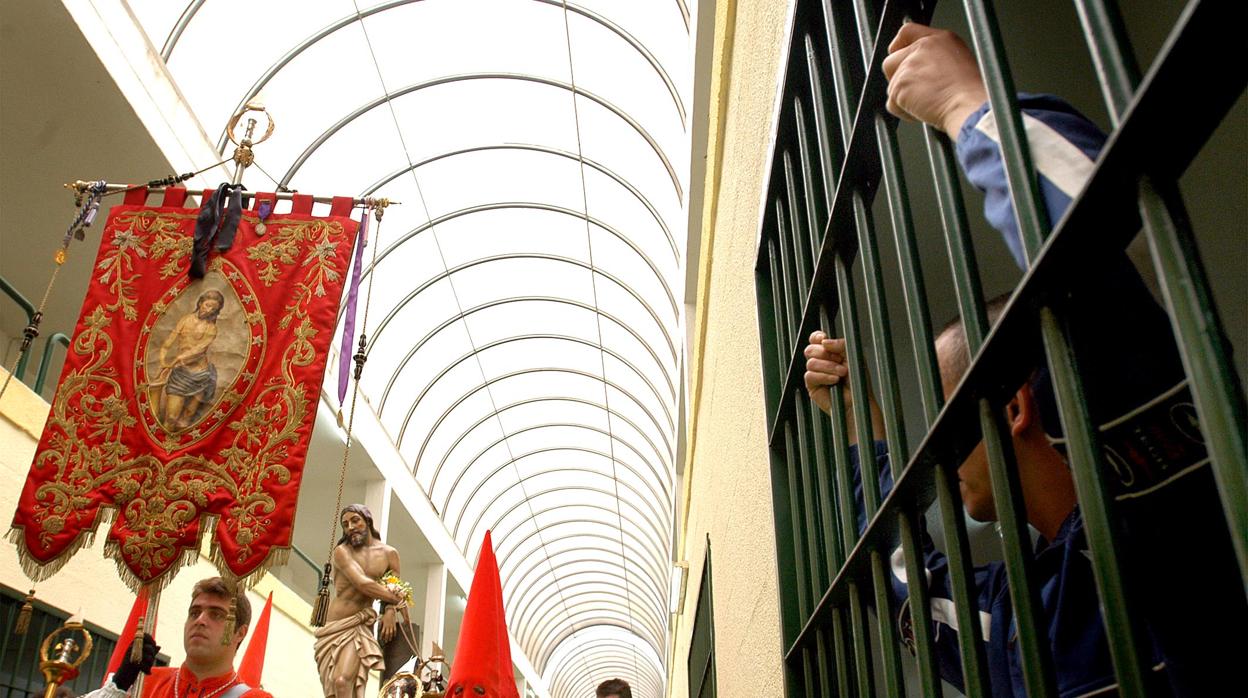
[{"x": 184, "y": 400}]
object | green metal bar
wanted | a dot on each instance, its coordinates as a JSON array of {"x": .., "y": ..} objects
[
  {"x": 818, "y": 573},
  {"x": 775, "y": 322},
  {"x": 894, "y": 678},
  {"x": 1117, "y": 71},
  {"x": 818, "y": 578},
  {"x": 1033, "y": 647},
  {"x": 829, "y": 149},
  {"x": 808, "y": 673},
  {"x": 1126, "y": 634},
  {"x": 920, "y": 603},
  {"x": 799, "y": 549},
  {"x": 798, "y": 229},
  {"x": 862, "y": 641},
  {"x": 958, "y": 552},
  {"x": 823, "y": 669},
  {"x": 961, "y": 250},
  {"x": 1033, "y": 220},
  {"x": 816, "y": 214},
  {"x": 772, "y": 370},
  {"x": 40, "y": 377},
  {"x": 881, "y": 339},
  {"x": 840, "y": 453},
  {"x": 1083, "y": 452},
  {"x": 890, "y": 395},
  {"x": 792, "y": 295},
  {"x": 914, "y": 291},
  {"x": 833, "y": 537},
  {"x": 857, "y": 377},
  {"x": 791, "y": 616},
  {"x": 1205, "y": 352},
  {"x": 840, "y": 648},
  {"x": 1185, "y": 288},
  {"x": 974, "y": 324},
  {"x": 27, "y": 307}
]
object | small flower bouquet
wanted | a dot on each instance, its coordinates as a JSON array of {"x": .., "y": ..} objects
[{"x": 397, "y": 586}]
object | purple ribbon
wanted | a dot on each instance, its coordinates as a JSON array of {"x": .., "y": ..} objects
[{"x": 348, "y": 325}]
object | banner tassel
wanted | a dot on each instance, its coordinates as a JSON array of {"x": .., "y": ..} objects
[
  {"x": 23, "y": 615},
  {"x": 321, "y": 609}
]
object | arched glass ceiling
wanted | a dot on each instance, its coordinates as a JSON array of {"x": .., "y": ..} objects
[{"x": 525, "y": 333}]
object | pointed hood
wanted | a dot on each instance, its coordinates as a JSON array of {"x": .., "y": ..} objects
[
  {"x": 252, "y": 666},
  {"x": 483, "y": 655}
]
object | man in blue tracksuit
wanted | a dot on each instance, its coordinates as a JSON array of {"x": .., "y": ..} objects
[{"x": 1178, "y": 551}]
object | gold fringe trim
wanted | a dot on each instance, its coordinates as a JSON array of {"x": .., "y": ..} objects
[
  {"x": 277, "y": 557},
  {"x": 39, "y": 571}
]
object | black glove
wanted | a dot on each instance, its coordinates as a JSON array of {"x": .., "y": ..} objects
[{"x": 129, "y": 670}]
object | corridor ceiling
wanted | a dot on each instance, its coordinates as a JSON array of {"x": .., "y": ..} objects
[{"x": 525, "y": 324}]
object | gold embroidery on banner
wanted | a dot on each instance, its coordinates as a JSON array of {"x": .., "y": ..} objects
[{"x": 89, "y": 414}]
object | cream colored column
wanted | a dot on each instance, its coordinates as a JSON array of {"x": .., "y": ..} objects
[
  {"x": 435, "y": 609},
  {"x": 377, "y": 499}
]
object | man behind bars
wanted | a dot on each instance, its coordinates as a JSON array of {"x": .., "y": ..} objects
[{"x": 1164, "y": 494}]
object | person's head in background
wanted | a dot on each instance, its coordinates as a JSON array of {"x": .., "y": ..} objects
[{"x": 614, "y": 688}]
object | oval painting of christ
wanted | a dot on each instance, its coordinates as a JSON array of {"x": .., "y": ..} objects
[{"x": 197, "y": 345}]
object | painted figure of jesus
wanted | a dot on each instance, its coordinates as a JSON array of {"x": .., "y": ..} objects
[{"x": 188, "y": 375}]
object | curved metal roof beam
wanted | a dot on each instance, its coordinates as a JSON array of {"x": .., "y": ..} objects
[
  {"x": 546, "y": 398},
  {"x": 551, "y": 425},
  {"x": 504, "y": 258},
  {"x": 657, "y": 554},
  {"x": 604, "y": 647},
  {"x": 634, "y": 581},
  {"x": 650, "y": 603},
  {"x": 526, "y": 567},
  {"x": 535, "y": 206},
  {"x": 635, "y": 544},
  {"x": 597, "y": 649},
  {"x": 552, "y": 449},
  {"x": 465, "y": 77},
  {"x": 545, "y": 616},
  {"x": 663, "y": 367},
  {"x": 662, "y": 456},
  {"x": 657, "y": 523},
  {"x": 643, "y": 529},
  {"x": 544, "y": 658},
  {"x": 518, "y": 619},
  {"x": 176, "y": 33},
  {"x": 531, "y": 147},
  {"x": 618, "y": 595},
  {"x": 508, "y": 340},
  {"x": 532, "y": 562},
  {"x": 353, "y": 17},
  {"x": 643, "y": 525}
]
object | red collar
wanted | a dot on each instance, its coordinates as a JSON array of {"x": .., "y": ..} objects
[{"x": 163, "y": 679}]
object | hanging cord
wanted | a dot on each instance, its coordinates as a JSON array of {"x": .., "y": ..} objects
[
  {"x": 321, "y": 607},
  {"x": 87, "y": 200}
]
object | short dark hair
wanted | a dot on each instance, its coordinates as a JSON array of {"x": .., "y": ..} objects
[
  {"x": 957, "y": 361},
  {"x": 614, "y": 687},
  {"x": 218, "y": 587}
]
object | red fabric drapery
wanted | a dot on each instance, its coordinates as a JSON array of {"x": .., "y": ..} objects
[{"x": 186, "y": 399}]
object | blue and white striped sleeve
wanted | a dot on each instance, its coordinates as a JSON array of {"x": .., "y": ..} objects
[{"x": 1064, "y": 148}]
